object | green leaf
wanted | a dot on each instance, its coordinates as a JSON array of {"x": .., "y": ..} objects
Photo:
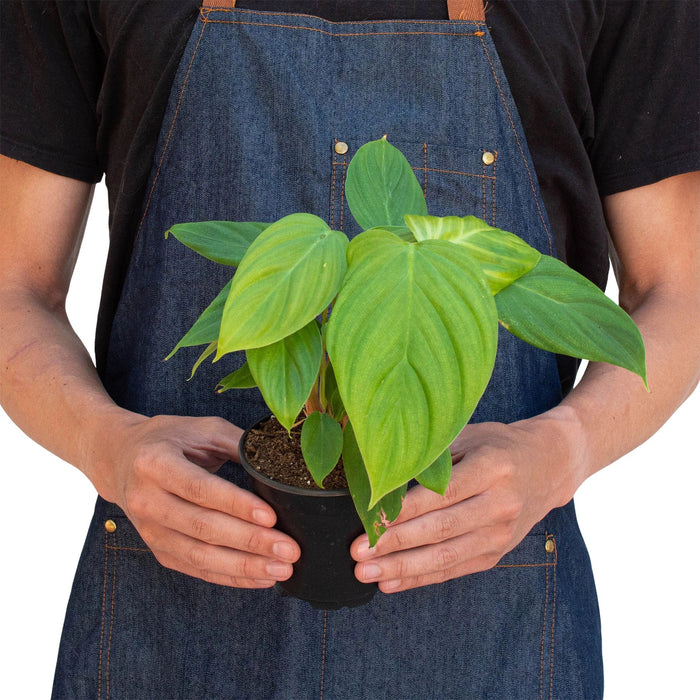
[
  {"x": 206, "y": 327},
  {"x": 503, "y": 256},
  {"x": 556, "y": 309},
  {"x": 208, "y": 352},
  {"x": 412, "y": 339},
  {"x": 224, "y": 242},
  {"x": 240, "y": 379},
  {"x": 321, "y": 445},
  {"x": 402, "y": 232},
  {"x": 437, "y": 476},
  {"x": 381, "y": 186},
  {"x": 386, "y": 510},
  {"x": 289, "y": 275},
  {"x": 286, "y": 371}
]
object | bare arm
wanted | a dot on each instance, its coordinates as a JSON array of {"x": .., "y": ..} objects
[
  {"x": 507, "y": 477},
  {"x": 159, "y": 470}
]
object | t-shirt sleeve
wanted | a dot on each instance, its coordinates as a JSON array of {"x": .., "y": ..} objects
[
  {"x": 51, "y": 65},
  {"x": 644, "y": 76}
]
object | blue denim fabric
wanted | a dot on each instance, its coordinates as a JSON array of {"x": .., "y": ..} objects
[{"x": 258, "y": 104}]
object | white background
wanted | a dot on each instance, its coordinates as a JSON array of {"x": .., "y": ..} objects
[{"x": 639, "y": 517}]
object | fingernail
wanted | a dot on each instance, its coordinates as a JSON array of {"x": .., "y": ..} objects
[
  {"x": 370, "y": 572},
  {"x": 284, "y": 550},
  {"x": 364, "y": 550},
  {"x": 279, "y": 571},
  {"x": 262, "y": 516}
]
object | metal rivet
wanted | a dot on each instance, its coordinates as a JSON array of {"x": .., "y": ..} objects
[
  {"x": 110, "y": 526},
  {"x": 488, "y": 158},
  {"x": 341, "y": 148},
  {"x": 549, "y": 546}
]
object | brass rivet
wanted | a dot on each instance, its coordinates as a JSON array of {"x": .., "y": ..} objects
[
  {"x": 110, "y": 526},
  {"x": 549, "y": 546},
  {"x": 341, "y": 148},
  {"x": 488, "y": 158}
]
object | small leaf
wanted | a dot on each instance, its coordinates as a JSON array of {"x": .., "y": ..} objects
[
  {"x": 210, "y": 350},
  {"x": 503, "y": 256},
  {"x": 321, "y": 445},
  {"x": 206, "y": 327},
  {"x": 555, "y": 308},
  {"x": 288, "y": 276},
  {"x": 286, "y": 371},
  {"x": 240, "y": 379},
  {"x": 381, "y": 186},
  {"x": 437, "y": 476},
  {"x": 375, "y": 519},
  {"x": 225, "y": 242}
]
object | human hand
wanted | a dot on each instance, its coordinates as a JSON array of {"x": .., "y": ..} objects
[
  {"x": 505, "y": 479},
  {"x": 160, "y": 472}
]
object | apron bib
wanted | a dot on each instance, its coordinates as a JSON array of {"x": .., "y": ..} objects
[{"x": 265, "y": 114}]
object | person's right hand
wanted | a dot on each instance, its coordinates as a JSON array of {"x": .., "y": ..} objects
[{"x": 160, "y": 472}]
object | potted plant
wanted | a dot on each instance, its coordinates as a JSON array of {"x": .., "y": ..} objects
[{"x": 352, "y": 342}]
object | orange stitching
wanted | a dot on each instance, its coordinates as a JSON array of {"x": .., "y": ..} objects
[
  {"x": 457, "y": 172},
  {"x": 170, "y": 133},
  {"x": 554, "y": 608},
  {"x": 342, "y": 191},
  {"x": 483, "y": 190},
  {"x": 323, "y": 649},
  {"x": 544, "y": 624},
  {"x": 522, "y": 566},
  {"x": 493, "y": 190},
  {"x": 522, "y": 153},
  {"x": 425, "y": 170},
  {"x": 128, "y": 549},
  {"x": 333, "y": 191},
  {"x": 102, "y": 624},
  {"x": 111, "y": 616},
  {"x": 206, "y": 12}
]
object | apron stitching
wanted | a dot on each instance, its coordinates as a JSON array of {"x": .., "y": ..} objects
[
  {"x": 457, "y": 172},
  {"x": 425, "y": 170},
  {"x": 342, "y": 191},
  {"x": 554, "y": 607},
  {"x": 520, "y": 147},
  {"x": 333, "y": 177},
  {"x": 483, "y": 191},
  {"x": 544, "y": 627},
  {"x": 522, "y": 566},
  {"x": 205, "y": 12},
  {"x": 170, "y": 133},
  {"x": 102, "y": 623},
  {"x": 323, "y": 649},
  {"x": 111, "y": 619},
  {"x": 128, "y": 549},
  {"x": 493, "y": 191}
]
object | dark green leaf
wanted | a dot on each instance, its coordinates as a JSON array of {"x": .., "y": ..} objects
[
  {"x": 321, "y": 445},
  {"x": 386, "y": 510},
  {"x": 554, "y": 308},
  {"x": 224, "y": 242},
  {"x": 240, "y": 379},
  {"x": 381, "y": 186},
  {"x": 437, "y": 476}
]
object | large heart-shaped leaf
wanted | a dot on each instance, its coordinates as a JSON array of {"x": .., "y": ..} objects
[
  {"x": 556, "y": 309},
  {"x": 289, "y": 275},
  {"x": 375, "y": 519},
  {"x": 503, "y": 256},
  {"x": 321, "y": 445},
  {"x": 224, "y": 242},
  {"x": 412, "y": 339},
  {"x": 381, "y": 186},
  {"x": 206, "y": 328},
  {"x": 285, "y": 371}
]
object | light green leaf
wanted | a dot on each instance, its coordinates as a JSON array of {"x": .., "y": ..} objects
[
  {"x": 240, "y": 379},
  {"x": 286, "y": 371},
  {"x": 224, "y": 242},
  {"x": 556, "y": 309},
  {"x": 402, "y": 232},
  {"x": 437, "y": 476},
  {"x": 321, "y": 445},
  {"x": 206, "y": 327},
  {"x": 290, "y": 274},
  {"x": 381, "y": 186},
  {"x": 386, "y": 510},
  {"x": 208, "y": 352},
  {"x": 412, "y": 339},
  {"x": 503, "y": 256}
]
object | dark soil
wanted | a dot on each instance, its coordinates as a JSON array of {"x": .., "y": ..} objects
[{"x": 271, "y": 451}]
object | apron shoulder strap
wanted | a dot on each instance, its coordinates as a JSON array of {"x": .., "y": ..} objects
[{"x": 467, "y": 10}]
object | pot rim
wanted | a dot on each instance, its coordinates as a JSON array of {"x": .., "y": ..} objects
[{"x": 278, "y": 485}]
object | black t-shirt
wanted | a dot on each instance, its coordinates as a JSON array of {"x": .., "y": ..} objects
[{"x": 606, "y": 89}]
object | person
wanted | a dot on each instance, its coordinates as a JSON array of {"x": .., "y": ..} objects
[{"x": 220, "y": 112}]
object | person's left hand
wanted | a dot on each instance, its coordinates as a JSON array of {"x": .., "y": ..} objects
[{"x": 505, "y": 479}]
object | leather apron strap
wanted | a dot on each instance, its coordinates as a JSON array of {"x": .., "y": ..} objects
[{"x": 467, "y": 10}]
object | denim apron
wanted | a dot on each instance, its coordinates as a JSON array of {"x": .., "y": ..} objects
[{"x": 265, "y": 114}]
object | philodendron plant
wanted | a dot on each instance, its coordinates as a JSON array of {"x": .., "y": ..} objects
[{"x": 385, "y": 343}]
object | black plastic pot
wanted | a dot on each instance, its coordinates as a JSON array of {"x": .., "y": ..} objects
[{"x": 324, "y": 524}]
